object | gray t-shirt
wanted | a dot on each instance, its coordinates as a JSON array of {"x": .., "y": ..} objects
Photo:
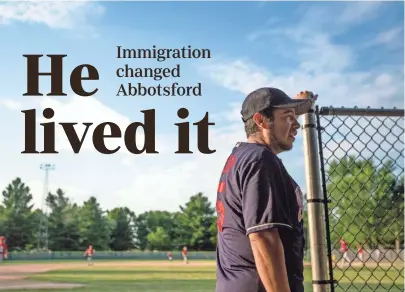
[{"x": 255, "y": 192}]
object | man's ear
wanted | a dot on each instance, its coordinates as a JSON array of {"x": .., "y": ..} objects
[{"x": 260, "y": 121}]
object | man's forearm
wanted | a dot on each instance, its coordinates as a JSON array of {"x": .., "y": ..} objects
[{"x": 268, "y": 252}]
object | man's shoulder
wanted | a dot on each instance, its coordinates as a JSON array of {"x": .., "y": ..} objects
[{"x": 254, "y": 152}]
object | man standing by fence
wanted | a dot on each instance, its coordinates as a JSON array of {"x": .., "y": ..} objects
[{"x": 259, "y": 205}]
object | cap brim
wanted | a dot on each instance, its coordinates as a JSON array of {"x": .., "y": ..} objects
[{"x": 301, "y": 106}]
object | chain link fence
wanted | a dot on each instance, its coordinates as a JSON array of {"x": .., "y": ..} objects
[{"x": 362, "y": 166}]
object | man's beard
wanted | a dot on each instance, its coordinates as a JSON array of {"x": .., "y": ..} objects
[
  {"x": 282, "y": 146},
  {"x": 276, "y": 143}
]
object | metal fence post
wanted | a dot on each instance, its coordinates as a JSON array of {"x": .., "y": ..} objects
[{"x": 315, "y": 200}]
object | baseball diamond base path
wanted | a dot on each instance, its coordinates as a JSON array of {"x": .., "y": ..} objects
[
  {"x": 13, "y": 277},
  {"x": 26, "y": 284}
]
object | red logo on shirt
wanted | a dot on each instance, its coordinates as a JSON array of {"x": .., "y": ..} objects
[
  {"x": 230, "y": 162},
  {"x": 221, "y": 214}
]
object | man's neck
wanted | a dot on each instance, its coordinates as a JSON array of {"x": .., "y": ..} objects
[{"x": 259, "y": 140}]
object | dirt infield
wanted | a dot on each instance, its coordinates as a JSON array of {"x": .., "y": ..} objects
[{"x": 13, "y": 277}]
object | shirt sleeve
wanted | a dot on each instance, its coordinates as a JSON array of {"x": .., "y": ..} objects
[{"x": 262, "y": 207}]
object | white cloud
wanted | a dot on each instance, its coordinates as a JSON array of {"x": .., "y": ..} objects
[
  {"x": 323, "y": 56},
  {"x": 389, "y": 36},
  {"x": 10, "y": 104},
  {"x": 392, "y": 38},
  {"x": 57, "y": 14},
  {"x": 334, "y": 88},
  {"x": 38, "y": 191},
  {"x": 237, "y": 75},
  {"x": 322, "y": 17},
  {"x": 358, "y": 11}
]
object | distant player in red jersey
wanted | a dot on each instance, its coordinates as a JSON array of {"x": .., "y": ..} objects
[
  {"x": 344, "y": 247},
  {"x": 89, "y": 253},
  {"x": 170, "y": 256},
  {"x": 184, "y": 254},
  {"x": 3, "y": 248},
  {"x": 360, "y": 252}
]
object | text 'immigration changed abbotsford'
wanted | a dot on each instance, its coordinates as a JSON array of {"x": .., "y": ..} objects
[{"x": 158, "y": 73}]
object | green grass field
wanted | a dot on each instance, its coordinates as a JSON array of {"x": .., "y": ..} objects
[{"x": 194, "y": 277}]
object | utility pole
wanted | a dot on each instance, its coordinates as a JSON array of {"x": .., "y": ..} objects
[{"x": 43, "y": 223}]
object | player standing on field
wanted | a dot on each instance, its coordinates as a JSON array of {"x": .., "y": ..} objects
[
  {"x": 259, "y": 205},
  {"x": 89, "y": 253},
  {"x": 3, "y": 248},
  {"x": 169, "y": 256},
  {"x": 360, "y": 252},
  {"x": 344, "y": 247},
  {"x": 184, "y": 254}
]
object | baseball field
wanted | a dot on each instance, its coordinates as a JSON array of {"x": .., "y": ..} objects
[{"x": 159, "y": 276}]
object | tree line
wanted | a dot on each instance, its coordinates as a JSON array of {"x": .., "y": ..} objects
[
  {"x": 367, "y": 207},
  {"x": 70, "y": 226}
]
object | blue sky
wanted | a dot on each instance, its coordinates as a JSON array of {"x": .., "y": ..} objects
[{"x": 350, "y": 53}]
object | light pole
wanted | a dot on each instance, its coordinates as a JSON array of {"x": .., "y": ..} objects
[{"x": 44, "y": 216}]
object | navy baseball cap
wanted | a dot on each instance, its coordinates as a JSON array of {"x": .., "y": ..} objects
[{"x": 270, "y": 97}]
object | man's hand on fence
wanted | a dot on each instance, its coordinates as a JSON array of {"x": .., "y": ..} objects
[{"x": 307, "y": 94}]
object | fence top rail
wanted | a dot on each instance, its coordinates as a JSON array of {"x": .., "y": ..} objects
[{"x": 355, "y": 111}]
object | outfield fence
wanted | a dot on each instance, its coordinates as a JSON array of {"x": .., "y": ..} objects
[
  {"x": 370, "y": 256},
  {"x": 355, "y": 194},
  {"x": 112, "y": 255},
  {"x": 106, "y": 255}
]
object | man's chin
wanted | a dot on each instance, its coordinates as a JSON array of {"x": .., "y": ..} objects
[
  {"x": 279, "y": 146},
  {"x": 286, "y": 146}
]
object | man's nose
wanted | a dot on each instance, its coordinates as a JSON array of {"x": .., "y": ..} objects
[{"x": 296, "y": 124}]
